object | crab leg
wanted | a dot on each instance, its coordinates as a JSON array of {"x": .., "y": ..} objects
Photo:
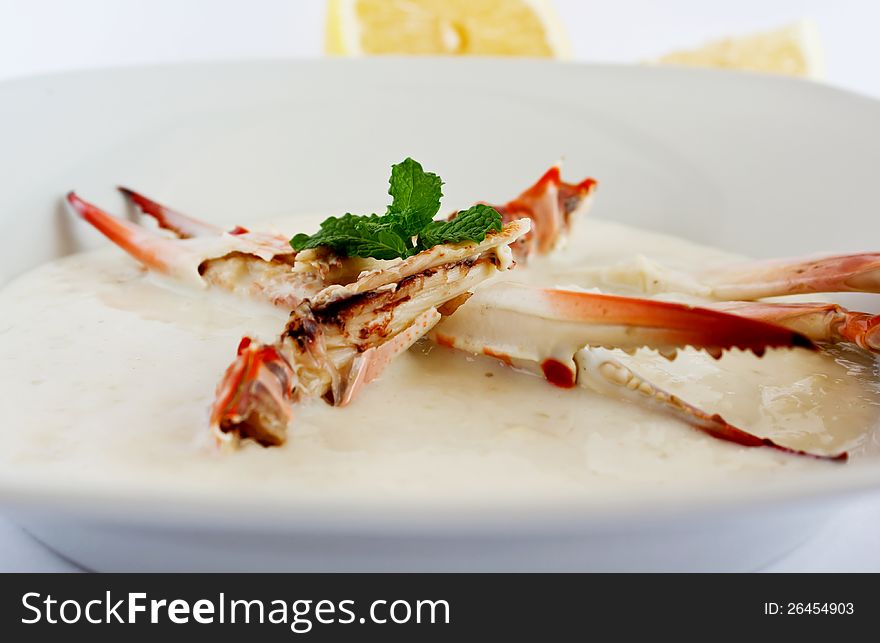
[
  {"x": 599, "y": 371},
  {"x": 544, "y": 331},
  {"x": 540, "y": 329},
  {"x": 858, "y": 272},
  {"x": 344, "y": 336},
  {"x": 552, "y": 205},
  {"x": 253, "y": 264},
  {"x": 185, "y": 227},
  {"x": 259, "y": 378},
  {"x": 822, "y": 323},
  {"x": 259, "y": 265},
  {"x": 182, "y": 225},
  {"x": 154, "y": 251}
]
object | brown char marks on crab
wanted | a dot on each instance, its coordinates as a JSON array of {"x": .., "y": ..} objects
[
  {"x": 377, "y": 307},
  {"x": 384, "y": 313},
  {"x": 302, "y": 328}
]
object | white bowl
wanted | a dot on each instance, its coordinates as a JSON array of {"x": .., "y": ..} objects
[{"x": 758, "y": 165}]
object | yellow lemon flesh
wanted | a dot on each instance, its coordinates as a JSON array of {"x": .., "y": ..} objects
[
  {"x": 440, "y": 27},
  {"x": 792, "y": 50}
]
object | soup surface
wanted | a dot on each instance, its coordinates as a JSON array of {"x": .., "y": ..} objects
[{"x": 109, "y": 373}]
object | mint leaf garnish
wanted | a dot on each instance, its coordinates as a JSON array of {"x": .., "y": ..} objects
[
  {"x": 415, "y": 196},
  {"x": 470, "y": 225},
  {"x": 355, "y": 236},
  {"x": 407, "y": 227}
]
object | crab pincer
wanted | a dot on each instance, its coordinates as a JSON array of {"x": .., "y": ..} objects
[
  {"x": 553, "y": 206},
  {"x": 541, "y": 329},
  {"x": 564, "y": 336},
  {"x": 823, "y": 323},
  {"x": 601, "y": 372},
  {"x": 182, "y": 225},
  {"x": 253, "y": 264}
]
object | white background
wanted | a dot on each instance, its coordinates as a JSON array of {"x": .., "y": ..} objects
[
  {"x": 49, "y": 35},
  {"x": 38, "y": 36}
]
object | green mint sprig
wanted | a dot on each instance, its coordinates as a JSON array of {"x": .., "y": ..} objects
[{"x": 408, "y": 225}]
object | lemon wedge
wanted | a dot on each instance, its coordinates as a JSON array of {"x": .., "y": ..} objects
[
  {"x": 445, "y": 27},
  {"x": 793, "y": 50}
]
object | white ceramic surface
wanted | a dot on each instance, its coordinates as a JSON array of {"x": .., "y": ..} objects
[{"x": 758, "y": 165}]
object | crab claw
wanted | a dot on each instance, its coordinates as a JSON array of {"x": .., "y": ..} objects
[
  {"x": 153, "y": 250},
  {"x": 552, "y": 206},
  {"x": 182, "y": 225},
  {"x": 254, "y": 264},
  {"x": 858, "y": 272},
  {"x": 822, "y": 323},
  {"x": 540, "y": 330},
  {"x": 564, "y": 336},
  {"x": 264, "y": 245},
  {"x": 254, "y": 397},
  {"x": 599, "y": 371}
]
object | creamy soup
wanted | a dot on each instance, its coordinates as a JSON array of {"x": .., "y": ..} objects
[{"x": 109, "y": 373}]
